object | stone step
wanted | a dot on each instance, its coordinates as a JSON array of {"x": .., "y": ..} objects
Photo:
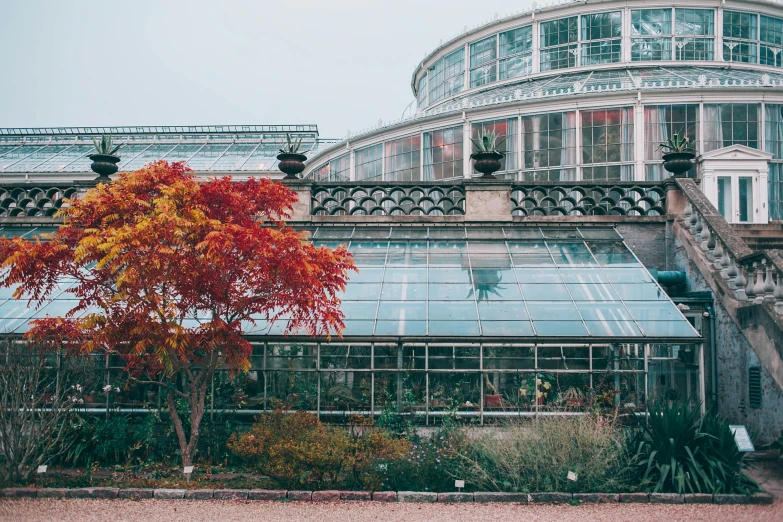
[
  {"x": 761, "y": 233},
  {"x": 756, "y": 226}
]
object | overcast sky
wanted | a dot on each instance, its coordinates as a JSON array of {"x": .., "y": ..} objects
[{"x": 341, "y": 64}]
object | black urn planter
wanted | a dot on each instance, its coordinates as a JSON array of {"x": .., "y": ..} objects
[
  {"x": 487, "y": 163},
  {"x": 104, "y": 165},
  {"x": 291, "y": 164},
  {"x": 678, "y": 163}
]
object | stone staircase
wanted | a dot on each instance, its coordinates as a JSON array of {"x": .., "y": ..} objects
[{"x": 761, "y": 237}]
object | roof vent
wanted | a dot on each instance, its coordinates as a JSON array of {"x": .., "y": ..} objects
[{"x": 754, "y": 386}]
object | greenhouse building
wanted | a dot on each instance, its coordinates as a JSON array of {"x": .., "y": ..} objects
[{"x": 585, "y": 273}]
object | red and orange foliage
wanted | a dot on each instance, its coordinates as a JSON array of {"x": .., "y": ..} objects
[{"x": 166, "y": 270}]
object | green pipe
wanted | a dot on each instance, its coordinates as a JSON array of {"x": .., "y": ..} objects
[{"x": 669, "y": 277}]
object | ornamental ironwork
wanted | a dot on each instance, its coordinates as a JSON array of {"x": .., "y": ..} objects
[
  {"x": 629, "y": 199},
  {"x": 33, "y": 201},
  {"x": 393, "y": 199}
]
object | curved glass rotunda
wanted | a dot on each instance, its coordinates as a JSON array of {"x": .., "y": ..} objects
[{"x": 586, "y": 91}]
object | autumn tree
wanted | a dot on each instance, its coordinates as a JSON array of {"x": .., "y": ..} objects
[{"x": 168, "y": 270}]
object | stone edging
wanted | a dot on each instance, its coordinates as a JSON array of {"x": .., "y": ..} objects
[{"x": 383, "y": 496}]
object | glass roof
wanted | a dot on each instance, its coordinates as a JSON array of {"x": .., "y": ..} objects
[
  {"x": 204, "y": 149},
  {"x": 520, "y": 282},
  {"x": 610, "y": 80}
]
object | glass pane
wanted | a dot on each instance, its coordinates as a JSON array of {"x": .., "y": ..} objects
[
  {"x": 724, "y": 197},
  {"x": 745, "y": 199}
]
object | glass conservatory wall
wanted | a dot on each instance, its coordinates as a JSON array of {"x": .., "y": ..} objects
[
  {"x": 506, "y": 132},
  {"x": 549, "y": 147},
  {"x": 660, "y": 123},
  {"x": 429, "y": 380},
  {"x": 731, "y": 124},
  {"x": 773, "y": 142}
]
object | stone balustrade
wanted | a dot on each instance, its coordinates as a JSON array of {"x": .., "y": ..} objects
[{"x": 752, "y": 277}]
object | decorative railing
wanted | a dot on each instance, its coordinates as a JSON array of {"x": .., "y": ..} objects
[
  {"x": 388, "y": 199},
  {"x": 33, "y": 201},
  {"x": 556, "y": 199},
  {"x": 753, "y": 277}
]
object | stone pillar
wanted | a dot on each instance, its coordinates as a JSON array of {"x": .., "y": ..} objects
[
  {"x": 487, "y": 200},
  {"x": 675, "y": 199},
  {"x": 303, "y": 189}
]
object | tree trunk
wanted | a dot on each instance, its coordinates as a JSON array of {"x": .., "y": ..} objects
[{"x": 196, "y": 399}]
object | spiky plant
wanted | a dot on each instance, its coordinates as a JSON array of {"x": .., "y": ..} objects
[
  {"x": 680, "y": 450},
  {"x": 488, "y": 142},
  {"x": 292, "y": 145},
  {"x": 104, "y": 146},
  {"x": 677, "y": 143}
]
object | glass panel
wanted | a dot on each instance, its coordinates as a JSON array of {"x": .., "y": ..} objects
[
  {"x": 724, "y": 198},
  {"x": 403, "y": 159},
  {"x": 560, "y": 328},
  {"x": 745, "y": 199},
  {"x": 551, "y": 311},
  {"x": 443, "y": 154},
  {"x": 446, "y": 77},
  {"x": 507, "y": 328},
  {"x": 369, "y": 163},
  {"x": 482, "y": 61}
]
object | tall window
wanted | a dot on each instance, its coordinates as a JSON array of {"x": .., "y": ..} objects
[
  {"x": 651, "y": 34},
  {"x": 505, "y": 131},
  {"x": 516, "y": 52},
  {"x": 660, "y": 123},
  {"x": 771, "y": 36},
  {"x": 421, "y": 92},
  {"x": 602, "y": 37},
  {"x": 403, "y": 159},
  {"x": 694, "y": 34},
  {"x": 731, "y": 124},
  {"x": 740, "y": 34},
  {"x": 559, "y": 43},
  {"x": 483, "y": 61},
  {"x": 773, "y": 142},
  {"x": 369, "y": 162},
  {"x": 607, "y": 144},
  {"x": 337, "y": 169},
  {"x": 549, "y": 147},
  {"x": 447, "y": 76},
  {"x": 443, "y": 154}
]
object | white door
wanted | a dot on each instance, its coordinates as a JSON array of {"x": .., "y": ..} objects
[{"x": 735, "y": 198}]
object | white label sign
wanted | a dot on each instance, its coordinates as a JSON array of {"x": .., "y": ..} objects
[
  {"x": 188, "y": 470},
  {"x": 742, "y": 438},
  {"x": 572, "y": 476},
  {"x": 42, "y": 469},
  {"x": 459, "y": 483}
]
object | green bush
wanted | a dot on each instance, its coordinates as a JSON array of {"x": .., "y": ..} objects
[
  {"x": 682, "y": 451},
  {"x": 430, "y": 462},
  {"x": 537, "y": 455}
]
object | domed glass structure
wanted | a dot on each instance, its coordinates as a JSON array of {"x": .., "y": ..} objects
[{"x": 587, "y": 92}]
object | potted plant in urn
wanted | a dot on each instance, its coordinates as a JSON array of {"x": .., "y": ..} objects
[
  {"x": 291, "y": 160},
  {"x": 105, "y": 158},
  {"x": 486, "y": 156},
  {"x": 678, "y": 155}
]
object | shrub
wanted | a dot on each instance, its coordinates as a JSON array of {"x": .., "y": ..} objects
[
  {"x": 296, "y": 450},
  {"x": 537, "y": 456},
  {"x": 430, "y": 462},
  {"x": 681, "y": 451}
]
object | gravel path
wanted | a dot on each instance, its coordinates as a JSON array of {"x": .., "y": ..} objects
[{"x": 226, "y": 511}]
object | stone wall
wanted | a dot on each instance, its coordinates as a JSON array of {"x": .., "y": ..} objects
[
  {"x": 647, "y": 241},
  {"x": 734, "y": 356}
]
